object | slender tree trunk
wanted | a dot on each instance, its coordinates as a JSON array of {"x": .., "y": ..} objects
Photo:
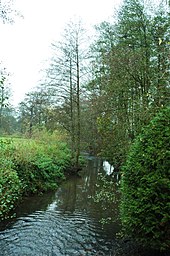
[
  {"x": 78, "y": 105},
  {"x": 31, "y": 123},
  {"x": 1, "y": 106},
  {"x": 72, "y": 113}
]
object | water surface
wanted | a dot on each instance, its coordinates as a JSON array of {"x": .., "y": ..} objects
[{"x": 65, "y": 222}]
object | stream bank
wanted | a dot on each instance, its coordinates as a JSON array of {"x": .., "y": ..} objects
[
  {"x": 67, "y": 222},
  {"x": 63, "y": 222}
]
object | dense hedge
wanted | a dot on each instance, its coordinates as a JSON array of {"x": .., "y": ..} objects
[
  {"x": 145, "y": 187},
  {"x": 30, "y": 166}
]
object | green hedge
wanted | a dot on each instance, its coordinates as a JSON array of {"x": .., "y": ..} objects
[{"x": 145, "y": 186}]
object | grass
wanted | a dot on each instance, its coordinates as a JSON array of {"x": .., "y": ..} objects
[{"x": 30, "y": 166}]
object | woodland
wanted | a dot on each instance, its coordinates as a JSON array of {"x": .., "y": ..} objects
[{"x": 101, "y": 94}]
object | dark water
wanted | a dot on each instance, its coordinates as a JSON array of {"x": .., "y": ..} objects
[{"x": 65, "y": 222}]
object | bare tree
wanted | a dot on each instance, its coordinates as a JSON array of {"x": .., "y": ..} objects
[{"x": 65, "y": 76}]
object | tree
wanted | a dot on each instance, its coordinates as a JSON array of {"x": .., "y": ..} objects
[
  {"x": 34, "y": 111},
  {"x": 129, "y": 66},
  {"x": 65, "y": 76},
  {"x": 160, "y": 58},
  {"x": 5, "y": 93},
  {"x": 9, "y": 121},
  {"x": 109, "y": 92}
]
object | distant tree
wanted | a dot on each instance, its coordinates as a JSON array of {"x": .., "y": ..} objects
[
  {"x": 5, "y": 93},
  {"x": 33, "y": 111},
  {"x": 9, "y": 121}
]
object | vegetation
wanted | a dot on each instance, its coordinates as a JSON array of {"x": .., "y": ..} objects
[
  {"x": 102, "y": 100},
  {"x": 30, "y": 166},
  {"x": 130, "y": 76},
  {"x": 145, "y": 204},
  {"x": 107, "y": 195},
  {"x": 104, "y": 95},
  {"x": 10, "y": 184}
]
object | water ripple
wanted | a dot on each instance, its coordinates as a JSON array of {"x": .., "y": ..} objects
[{"x": 66, "y": 225}]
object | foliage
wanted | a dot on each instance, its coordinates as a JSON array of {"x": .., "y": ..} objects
[
  {"x": 112, "y": 135},
  {"x": 30, "y": 166},
  {"x": 40, "y": 163},
  {"x": 145, "y": 206},
  {"x": 130, "y": 76},
  {"x": 107, "y": 195},
  {"x": 34, "y": 111},
  {"x": 10, "y": 184},
  {"x": 103, "y": 97}
]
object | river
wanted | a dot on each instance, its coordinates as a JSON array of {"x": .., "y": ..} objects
[{"x": 64, "y": 222}]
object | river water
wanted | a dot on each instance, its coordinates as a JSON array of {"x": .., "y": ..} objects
[{"x": 64, "y": 222}]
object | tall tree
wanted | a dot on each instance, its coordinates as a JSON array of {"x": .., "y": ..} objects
[
  {"x": 65, "y": 76},
  {"x": 128, "y": 69},
  {"x": 161, "y": 56}
]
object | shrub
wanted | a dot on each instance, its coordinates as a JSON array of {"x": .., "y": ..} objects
[
  {"x": 145, "y": 186},
  {"x": 29, "y": 166},
  {"x": 10, "y": 185},
  {"x": 10, "y": 191},
  {"x": 41, "y": 162}
]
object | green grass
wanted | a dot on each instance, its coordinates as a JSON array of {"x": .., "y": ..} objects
[{"x": 30, "y": 166}]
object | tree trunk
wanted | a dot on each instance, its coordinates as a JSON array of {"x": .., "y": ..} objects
[{"x": 78, "y": 106}]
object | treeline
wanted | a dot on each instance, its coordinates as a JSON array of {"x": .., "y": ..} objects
[{"x": 103, "y": 94}]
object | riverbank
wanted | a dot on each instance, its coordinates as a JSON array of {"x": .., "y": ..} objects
[
  {"x": 63, "y": 222},
  {"x": 30, "y": 166}
]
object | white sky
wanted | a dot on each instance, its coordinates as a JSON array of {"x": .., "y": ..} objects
[{"x": 25, "y": 45}]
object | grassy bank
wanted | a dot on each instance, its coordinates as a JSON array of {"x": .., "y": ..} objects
[{"x": 30, "y": 166}]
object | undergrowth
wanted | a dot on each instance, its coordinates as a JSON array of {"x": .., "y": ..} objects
[{"x": 31, "y": 166}]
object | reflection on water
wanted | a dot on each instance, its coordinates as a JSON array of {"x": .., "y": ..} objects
[
  {"x": 108, "y": 168},
  {"x": 62, "y": 223}
]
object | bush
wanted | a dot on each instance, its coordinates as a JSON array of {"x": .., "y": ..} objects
[
  {"x": 30, "y": 166},
  {"x": 145, "y": 186},
  {"x": 41, "y": 162},
  {"x": 10, "y": 191},
  {"x": 10, "y": 185}
]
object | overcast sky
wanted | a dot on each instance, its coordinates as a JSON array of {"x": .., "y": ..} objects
[{"x": 25, "y": 45}]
